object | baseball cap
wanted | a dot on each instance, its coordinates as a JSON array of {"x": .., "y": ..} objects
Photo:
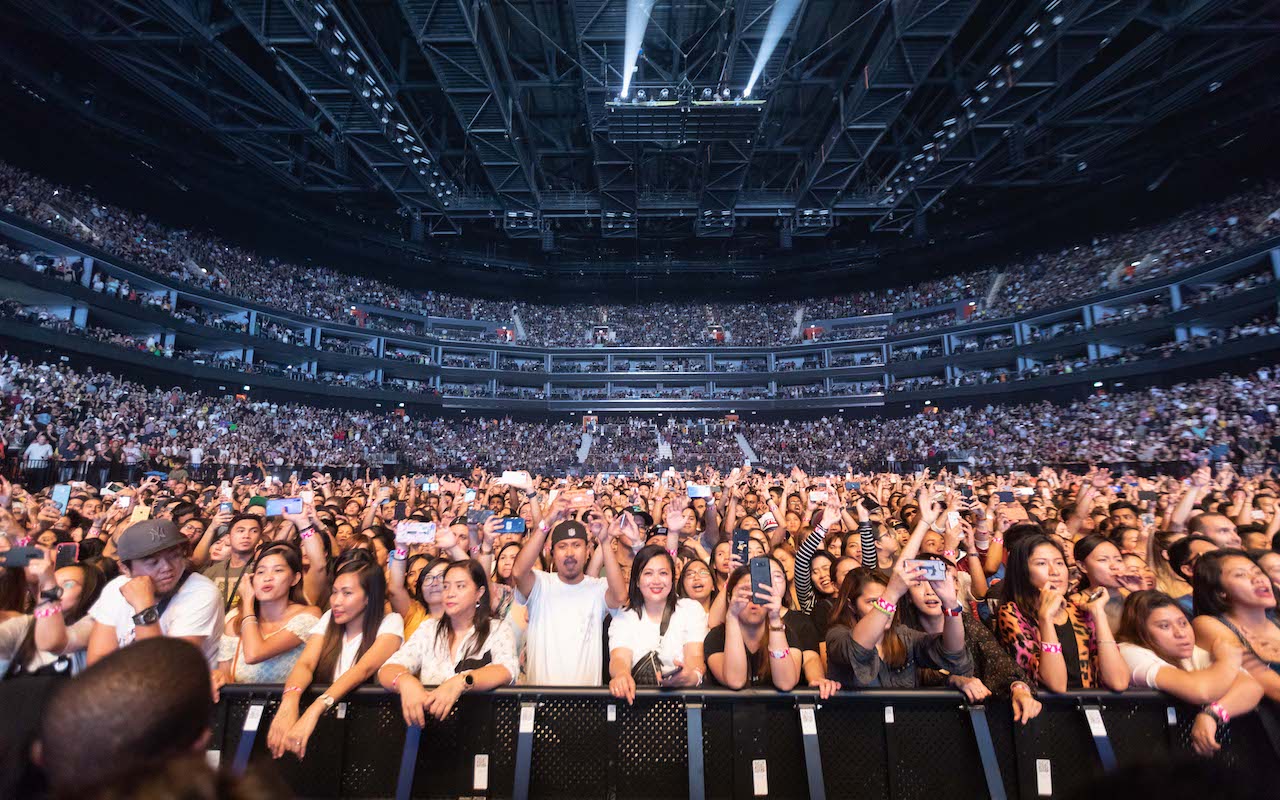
[
  {"x": 148, "y": 537},
  {"x": 568, "y": 529}
]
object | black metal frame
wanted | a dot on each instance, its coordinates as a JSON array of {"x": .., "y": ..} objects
[{"x": 579, "y": 742}]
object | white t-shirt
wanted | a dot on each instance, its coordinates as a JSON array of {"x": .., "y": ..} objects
[
  {"x": 640, "y": 635},
  {"x": 392, "y": 624},
  {"x": 566, "y": 630},
  {"x": 38, "y": 452},
  {"x": 196, "y": 610},
  {"x": 1144, "y": 664},
  {"x": 13, "y": 632}
]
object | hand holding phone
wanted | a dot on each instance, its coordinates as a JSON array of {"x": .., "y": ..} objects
[
  {"x": 416, "y": 533},
  {"x": 761, "y": 577},
  {"x": 930, "y": 569}
]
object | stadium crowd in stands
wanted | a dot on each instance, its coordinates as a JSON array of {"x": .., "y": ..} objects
[{"x": 1106, "y": 263}]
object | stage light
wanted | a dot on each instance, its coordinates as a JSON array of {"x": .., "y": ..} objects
[
  {"x": 779, "y": 19},
  {"x": 637, "y": 21},
  {"x": 642, "y": 95},
  {"x": 706, "y": 93},
  {"x": 665, "y": 94}
]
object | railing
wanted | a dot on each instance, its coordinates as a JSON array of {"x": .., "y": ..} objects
[{"x": 525, "y": 742}]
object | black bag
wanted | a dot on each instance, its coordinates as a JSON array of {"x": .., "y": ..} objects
[{"x": 648, "y": 667}]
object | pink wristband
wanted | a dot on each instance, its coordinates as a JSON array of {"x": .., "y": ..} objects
[
  {"x": 1050, "y": 647},
  {"x": 885, "y": 606},
  {"x": 48, "y": 611},
  {"x": 306, "y": 533},
  {"x": 1220, "y": 713},
  {"x": 400, "y": 553}
]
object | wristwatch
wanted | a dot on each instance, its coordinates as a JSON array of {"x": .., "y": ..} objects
[
  {"x": 468, "y": 681},
  {"x": 51, "y": 595},
  {"x": 147, "y": 616},
  {"x": 326, "y": 701}
]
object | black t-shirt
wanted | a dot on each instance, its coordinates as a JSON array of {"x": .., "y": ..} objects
[
  {"x": 802, "y": 625},
  {"x": 714, "y": 643},
  {"x": 1070, "y": 654}
]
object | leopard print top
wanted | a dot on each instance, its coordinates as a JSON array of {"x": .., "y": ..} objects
[{"x": 1020, "y": 635}]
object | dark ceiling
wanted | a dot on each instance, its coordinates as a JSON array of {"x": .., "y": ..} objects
[{"x": 876, "y": 126}]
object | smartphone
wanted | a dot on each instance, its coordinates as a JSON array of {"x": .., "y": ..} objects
[
  {"x": 966, "y": 492},
  {"x": 227, "y": 491},
  {"x": 20, "y": 556},
  {"x": 469, "y": 495},
  {"x": 953, "y": 519},
  {"x": 509, "y": 477},
  {"x": 760, "y": 575},
  {"x": 60, "y": 496},
  {"x": 1094, "y": 595},
  {"x": 1025, "y": 491},
  {"x": 852, "y": 486},
  {"x": 696, "y": 490},
  {"x": 400, "y": 507},
  {"x": 1005, "y": 497},
  {"x": 932, "y": 570},
  {"x": 307, "y": 496},
  {"x": 870, "y": 503},
  {"x": 512, "y": 525},
  {"x": 164, "y": 476},
  {"x": 740, "y": 539},
  {"x": 478, "y": 516},
  {"x": 416, "y": 532},
  {"x": 114, "y": 488},
  {"x": 67, "y": 555},
  {"x": 280, "y": 506},
  {"x": 140, "y": 512},
  {"x": 666, "y": 676},
  {"x": 432, "y": 487},
  {"x": 818, "y": 496},
  {"x": 1150, "y": 497},
  {"x": 124, "y": 501}
]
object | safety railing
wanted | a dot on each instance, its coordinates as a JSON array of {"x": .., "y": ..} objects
[{"x": 525, "y": 742}]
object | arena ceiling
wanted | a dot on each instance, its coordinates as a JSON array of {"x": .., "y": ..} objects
[{"x": 504, "y": 119}]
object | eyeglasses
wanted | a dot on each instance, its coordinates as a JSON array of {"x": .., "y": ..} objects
[{"x": 433, "y": 580}]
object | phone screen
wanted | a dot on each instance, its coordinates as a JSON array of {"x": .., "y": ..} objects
[
  {"x": 512, "y": 525},
  {"x": 68, "y": 555},
  {"x": 1005, "y": 497},
  {"x": 740, "y": 539},
  {"x": 870, "y": 503},
  {"x": 760, "y": 575},
  {"x": 284, "y": 505},
  {"x": 60, "y": 496}
]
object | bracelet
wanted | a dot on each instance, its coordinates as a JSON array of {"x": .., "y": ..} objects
[
  {"x": 1013, "y": 687},
  {"x": 997, "y": 539},
  {"x": 780, "y": 654},
  {"x": 48, "y": 610},
  {"x": 250, "y": 618},
  {"x": 884, "y": 605},
  {"x": 1219, "y": 713},
  {"x": 778, "y": 628},
  {"x": 951, "y": 554},
  {"x": 1051, "y": 647},
  {"x": 397, "y": 680},
  {"x": 954, "y": 612},
  {"x": 698, "y": 672},
  {"x": 400, "y": 553},
  {"x": 288, "y": 689},
  {"x": 821, "y": 531}
]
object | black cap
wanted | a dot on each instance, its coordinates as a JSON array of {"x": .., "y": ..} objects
[{"x": 568, "y": 529}]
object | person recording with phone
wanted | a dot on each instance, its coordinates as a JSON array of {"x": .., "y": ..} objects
[
  {"x": 753, "y": 647},
  {"x": 657, "y": 639},
  {"x": 53, "y": 639},
  {"x": 869, "y": 647},
  {"x": 425, "y": 601}
]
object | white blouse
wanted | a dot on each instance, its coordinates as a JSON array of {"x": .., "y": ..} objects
[{"x": 427, "y": 656}]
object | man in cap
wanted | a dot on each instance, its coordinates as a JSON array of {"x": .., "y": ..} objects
[
  {"x": 156, "y": 596},
  {"x": 566, "y": 607}
]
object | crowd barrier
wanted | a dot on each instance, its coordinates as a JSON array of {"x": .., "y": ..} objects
[{"x": 522, "y": 742}]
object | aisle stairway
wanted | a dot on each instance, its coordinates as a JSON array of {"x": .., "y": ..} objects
[
  {"x": 585, "y": 448},
  {"x": 747, "y": 452}
]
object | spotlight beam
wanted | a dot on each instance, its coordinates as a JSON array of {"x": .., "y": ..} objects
[
  {"x": 783, "y": 11},
  {"x": 637, "y": 21}
]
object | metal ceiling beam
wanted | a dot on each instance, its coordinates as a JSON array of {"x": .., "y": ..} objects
[
  {"x": 318, "y": 49},
  {"x": 461, "y": 42}
]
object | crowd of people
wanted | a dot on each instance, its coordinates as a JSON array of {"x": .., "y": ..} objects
[
  {"x": 1108, "y": 262},
  {"x": 1007, "y": 587}
]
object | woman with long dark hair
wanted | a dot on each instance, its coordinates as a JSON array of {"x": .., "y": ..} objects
[
  {"x": 264, "y": 638},
  {"x": 867, "y": 644},
  {"x": 657, "y": 639},
  {"x": 1234, "y": 601},
  {"x": 697, "y": 584},
  {"x": 1101, "y": 567},
  {"x": 352, "y": 640},
  {"x": 465, "y": 649},
  {"x": 1062, "y": 645},
  {"x": 53, "y": 639}
]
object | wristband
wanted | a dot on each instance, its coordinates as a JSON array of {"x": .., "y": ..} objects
[
  {"x": 998, "y": 539},
  {"x": 698, "y": 672},
  {"x": 1013, "y": 687},
  {"x": 954, "y": 612},
  {"x": 884, "y": 605},
  {"x": 48, "y": 610},
  {"x": 25, "y": 541},
  {"x": 288, "y": 689},
  {"x": 780, "y": 654},
  {"x": 397, "y": 680},
  {"x": 949, "y": 554},
  {"x": 1219, "y": 713},
  {"x": 400, "y": 553},
  {"x": 307, "y": 532},
  {"x": 821, "y": 531},
  {"x": 1051, "y": 647},
  {"x": 474, "y": 550}
]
